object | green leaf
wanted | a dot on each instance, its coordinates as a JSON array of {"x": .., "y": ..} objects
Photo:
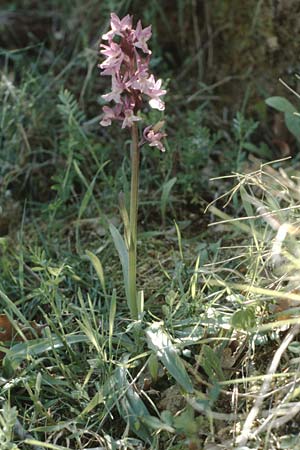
[
  {"x": 153, "y": 366},
  {"x": 140, "y": 303},
  {"x": 244, "y": 319},
  {"x": 123, "y": 255},
  {"x": 156, "y": 424},
  {"x": 87, "y": 197},
  {"x": 131, "y": 407},
  {"x": 186, "y": 423},
  {"x": 36, "y": 443},
  {"x": 292, "y": 122},
  {"x": 246, "y": 204},
  {"x": 22, "y": 351},
  {"x": 262, "y": 150},
  {"x": 96, "y": 400},
  {"x": 281, "y": 104},
  {"x": 161, "y": 344},
  {"x": 98, "y": 267},
  {"x": 7, "y": 302},
  {"x": 210, "y": 362},
  {"x": 294, "y": 347},
  {"x": 125, "y": 218}
]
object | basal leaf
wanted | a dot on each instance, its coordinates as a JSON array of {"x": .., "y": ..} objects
[
  {"x": 292, "y": 122},
  {"x": 161, "y": 344},
  {"x": 281, "y": 104},
  {"x": 130, "y": 406}
]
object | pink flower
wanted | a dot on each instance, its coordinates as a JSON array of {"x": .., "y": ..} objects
[
  {"x": 142, "y": 36},
  {"x": 139, "y": 80},
  {"x": 157, "y": 103},
  {"x": 110, "y": 114},
  {"x": 154, "y": 91},
  {"x": 129, "y": 118},
  {"x": 114, "y": 58},
  {"x": 117, "y": 26},
  {"x": 153, "y": 136},
  {"x": 117, "y": 89}
]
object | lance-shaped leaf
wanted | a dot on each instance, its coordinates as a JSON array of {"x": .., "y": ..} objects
[
  {"x": 281, "y": 104},
  {"x": 123, "y": 255},
  {"x": 36, "y": 347},
  {"x": 160, "y": 342},
  {"x": 130, "y": 405},
  {"x": 292, "y": 122}
]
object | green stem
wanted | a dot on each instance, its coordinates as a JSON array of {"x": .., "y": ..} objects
[{"x": 135, "y": 159}]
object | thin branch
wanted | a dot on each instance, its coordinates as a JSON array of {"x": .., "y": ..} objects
[{"x": 246, "y": 434}]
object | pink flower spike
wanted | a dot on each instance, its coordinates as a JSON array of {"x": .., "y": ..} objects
[
  {"x": 129, "y": 118},
  {"x": 127, "y": 59},
  {"x": 118, "y": 26},
  {"x": 142, "y": 36}
]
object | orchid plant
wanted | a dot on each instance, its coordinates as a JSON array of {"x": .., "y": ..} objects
[{"x": 127, "y": 63}]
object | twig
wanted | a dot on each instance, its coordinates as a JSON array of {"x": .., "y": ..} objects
[
  {"x": 246, "y": 434},
  {"x": 293, "y": 410}
]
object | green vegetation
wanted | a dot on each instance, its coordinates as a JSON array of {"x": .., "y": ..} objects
[{"x": 213, "y": 362}]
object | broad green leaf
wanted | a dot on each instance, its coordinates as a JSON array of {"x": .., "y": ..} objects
[
  {"x": 98, "y": 267},
  {"x": 292, "y": 122},
  {"x": 161, "y": 344},
  {"x": 123, "y": 255},
  {"x": 130, "y": 406},
  {"x": 281, "y": 104},
  {"x": 244, "y": 319}
]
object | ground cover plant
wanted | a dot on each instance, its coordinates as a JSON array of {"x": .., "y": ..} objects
[{"x": 203, "y": 352}]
